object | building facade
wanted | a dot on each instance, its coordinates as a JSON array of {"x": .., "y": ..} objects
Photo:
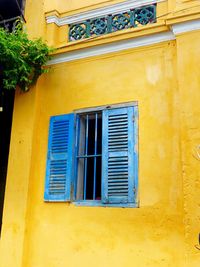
[{"x": 123, "y": 96}]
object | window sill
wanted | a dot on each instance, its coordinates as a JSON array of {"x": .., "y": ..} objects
[{"x": 98, "y": 203}]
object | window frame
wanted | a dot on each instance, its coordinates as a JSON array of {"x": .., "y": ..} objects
[
  {"x": 108, "y": 106},
  {"x": 61, "y": 178},
  {"x": 99, "y": 203}
]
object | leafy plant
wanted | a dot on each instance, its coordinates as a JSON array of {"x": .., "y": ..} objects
[{"x": 21, "y": 59}]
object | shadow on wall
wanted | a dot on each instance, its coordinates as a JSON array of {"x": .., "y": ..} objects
[
  {"x": 8, "y": 10},
  {"x": 5, "y": 126}
]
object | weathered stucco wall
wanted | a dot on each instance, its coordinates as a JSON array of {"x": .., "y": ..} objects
[
  {"x": 163, "y": 231},
  {"x": 62, "y": 234},
  {"x": 189, "y": 83}
]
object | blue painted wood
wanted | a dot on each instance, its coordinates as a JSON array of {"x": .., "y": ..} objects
[
  {"x": 59, "y": 158},
  {"x": 135, "y": 152},
  {"x": 95, "y": 159},
  {"x": 119, "y": 155},
  {"x": 77, "y": 119},
  {"x": 98, "y": 203},
  {"x": 86, "y": 154}
]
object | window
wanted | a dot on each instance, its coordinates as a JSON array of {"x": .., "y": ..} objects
[
  {"x": 88, "y": 156},
  {"x": 92, "y": 157}
]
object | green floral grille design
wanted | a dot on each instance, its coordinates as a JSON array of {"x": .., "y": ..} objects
[{"x": 112, "y": 23}]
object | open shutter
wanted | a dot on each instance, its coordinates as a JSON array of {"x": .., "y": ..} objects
[
  {"x": 119, "y": 155},
  {"x": 59, "y": 158}
]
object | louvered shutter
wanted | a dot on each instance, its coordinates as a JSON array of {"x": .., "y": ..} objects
[
  {"x": 59, "y": 158},
  {"x": 119, "y": 155}
]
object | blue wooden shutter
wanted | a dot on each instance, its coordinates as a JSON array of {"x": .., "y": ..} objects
[
  {"x": 59, "y": 158},
  {"x": 119, "y": 155}
]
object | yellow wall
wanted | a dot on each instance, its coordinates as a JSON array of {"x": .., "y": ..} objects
[
  {"x": 61, "y": 234},
  {"x": 189, "y": 83},
  {"x": 163, "y": 231}
]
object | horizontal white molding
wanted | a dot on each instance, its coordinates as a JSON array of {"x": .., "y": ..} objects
[
  {"x": 53, "y": 19},
  {"x": 113, "y": 47},
  {"x": 99, "y": 12},
  {"x": 186, "y": 26}
]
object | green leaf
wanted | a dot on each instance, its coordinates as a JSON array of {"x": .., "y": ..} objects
[{"x": 21, "y": 59}]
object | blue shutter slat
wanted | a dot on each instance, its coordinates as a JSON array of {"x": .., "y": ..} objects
[
  {"x": 59, "y": 158},
  {"x": 135, "y": 153},
  {"x": 119, "y": 155}
]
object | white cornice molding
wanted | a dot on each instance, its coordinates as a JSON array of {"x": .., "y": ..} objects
[
  {"x": 186, "y": 26},
  {"x": 113, "y": 47},
  {"x": 116, "y": 46},
  {"x": 103, "y": 11},
  {"x": 53, "y": 19}
]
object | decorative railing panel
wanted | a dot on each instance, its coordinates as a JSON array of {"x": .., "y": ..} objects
[
  {"x": 10, "y": 24},
  {"x": 112, "y": 23}
]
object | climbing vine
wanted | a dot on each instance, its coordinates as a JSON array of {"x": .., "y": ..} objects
[{"x": 21, "y": 60}]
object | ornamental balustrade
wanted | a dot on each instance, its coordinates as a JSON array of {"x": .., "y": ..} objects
[
  {"x": 112, "y": 23},
  {"x": 10, "y": 24}
]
